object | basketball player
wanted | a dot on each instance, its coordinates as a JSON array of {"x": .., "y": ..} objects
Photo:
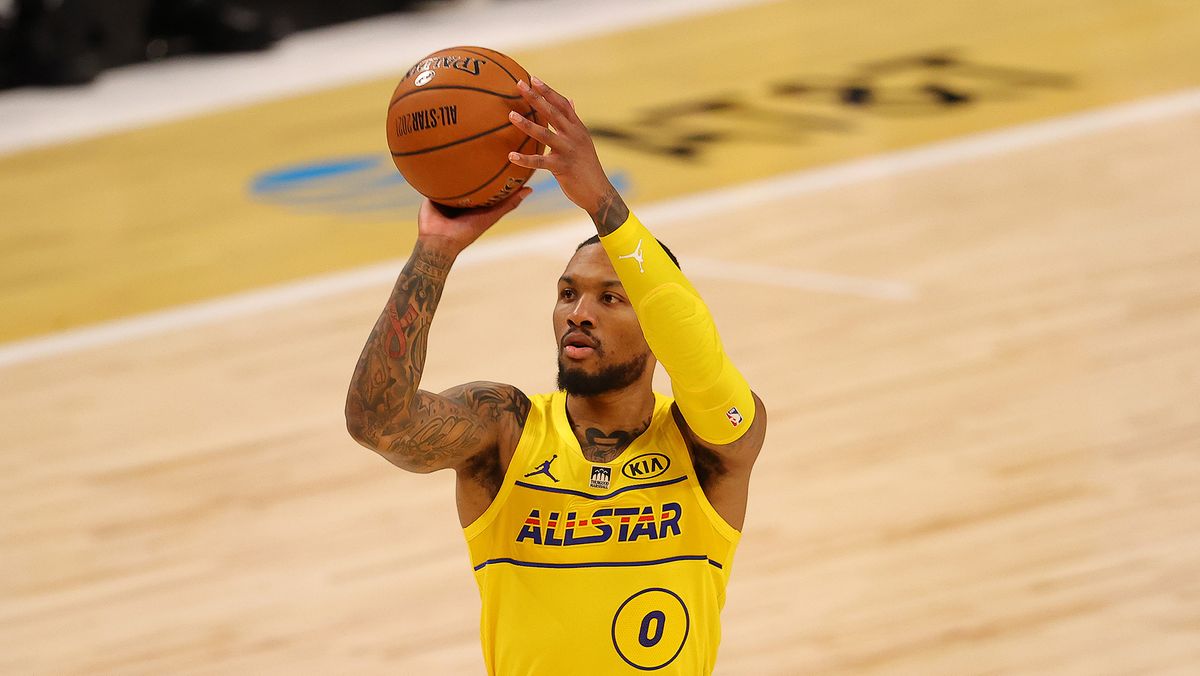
[{"x": 601, "y": 519}]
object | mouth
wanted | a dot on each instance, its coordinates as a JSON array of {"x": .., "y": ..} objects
[{"x": 578, "y": 345}]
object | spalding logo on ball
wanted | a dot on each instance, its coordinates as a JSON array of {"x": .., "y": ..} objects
[{"x": 448, "y": 128}]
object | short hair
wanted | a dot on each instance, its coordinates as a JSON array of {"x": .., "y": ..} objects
[{"x": 595, "y": 239}]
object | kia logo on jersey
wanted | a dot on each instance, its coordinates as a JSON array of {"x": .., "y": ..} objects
[{"x": 646, "y": 466}]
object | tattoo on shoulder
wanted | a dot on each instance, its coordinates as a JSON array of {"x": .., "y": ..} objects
[
  {"x": 519, "y": 406},
  {"x": 496, "y": 401},
  {"x": 610, "y": 213},
  {"x": 439, "y": 435}
]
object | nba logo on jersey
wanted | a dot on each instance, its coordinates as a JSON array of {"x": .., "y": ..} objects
[
  {"x": 601, "y": 477},
  {"x": 735, "y": 416}
]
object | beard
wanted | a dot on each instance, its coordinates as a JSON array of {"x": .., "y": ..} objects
[{"x": 580, "y": 383}]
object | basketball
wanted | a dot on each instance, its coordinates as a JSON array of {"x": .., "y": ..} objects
[{"x": 448, "y": 127}]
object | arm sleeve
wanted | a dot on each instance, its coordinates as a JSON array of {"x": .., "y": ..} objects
[{"x": 712, "y": 395}]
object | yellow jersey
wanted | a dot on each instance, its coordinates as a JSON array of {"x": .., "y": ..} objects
[{"x": 600, "y": 567}]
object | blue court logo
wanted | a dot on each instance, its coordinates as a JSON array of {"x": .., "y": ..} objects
[{"x": 369, "y": 185}]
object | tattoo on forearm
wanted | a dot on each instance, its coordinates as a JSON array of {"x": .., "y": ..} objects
[
  {"x": 610, "y": 213},
  {"x": 428, "y": 268},
  {"x": 397, "y": 343},
  {"x": 496, "y": 401},
  {"x": 418, "y": 429},
  {"x": 389, "y": 370}
]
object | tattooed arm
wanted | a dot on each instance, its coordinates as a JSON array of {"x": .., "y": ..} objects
[{"x": 385, "y": 411}]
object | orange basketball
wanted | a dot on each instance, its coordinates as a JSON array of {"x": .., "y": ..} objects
[{"x": 448, "y": 127}]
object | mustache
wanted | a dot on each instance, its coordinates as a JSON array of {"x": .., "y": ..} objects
[{"x": 588, "y": 338}]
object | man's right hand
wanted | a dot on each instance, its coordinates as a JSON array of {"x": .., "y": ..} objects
[{"x": 452, "y": 230}]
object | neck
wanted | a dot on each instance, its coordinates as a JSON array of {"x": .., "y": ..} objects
[
  {"x": 622, "y": 408},
  {"x": 606, "y": 424}
]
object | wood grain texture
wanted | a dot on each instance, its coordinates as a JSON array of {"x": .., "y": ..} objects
[{"x": 998, "y": 477}]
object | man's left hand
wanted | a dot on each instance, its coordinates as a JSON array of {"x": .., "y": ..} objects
[{"x": 572, "y": 157}]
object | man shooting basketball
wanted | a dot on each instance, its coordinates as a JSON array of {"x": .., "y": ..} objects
[{"x": 601, "y": 519}]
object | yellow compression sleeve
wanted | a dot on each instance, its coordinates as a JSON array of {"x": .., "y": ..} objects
[{"x": 712, "y": 395}]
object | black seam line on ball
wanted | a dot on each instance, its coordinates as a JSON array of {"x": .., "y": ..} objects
[
  {"x": 461, "y": 140},
  {"x": 494, "y": 176},
  {"x": 494, "y": 60},
  {"x": 437, "y": 87},
  {"x": 452, "y": 143}
]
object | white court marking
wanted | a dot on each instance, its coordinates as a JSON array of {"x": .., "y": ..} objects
[
  {"x": 659, "y": 215},
  {"x": 803, "y": 280}
]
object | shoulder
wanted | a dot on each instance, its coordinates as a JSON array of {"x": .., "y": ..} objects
[
  {"x": 494, "y": 402},
  {"x": 501, "y": 410}
]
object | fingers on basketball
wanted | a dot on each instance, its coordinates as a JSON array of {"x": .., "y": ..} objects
[{"x": 448, "y": 127}]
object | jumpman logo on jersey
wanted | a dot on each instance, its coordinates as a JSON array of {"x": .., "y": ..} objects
[
  {"x": 636, "y": 255},
  {"x": 544, "y": 468}
]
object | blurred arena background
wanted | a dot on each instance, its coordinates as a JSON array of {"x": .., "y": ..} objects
[{"x": 955, "y": 246}]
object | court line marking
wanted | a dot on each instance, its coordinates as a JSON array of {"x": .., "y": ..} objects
[
  {"x": 803, "y": 280},
  {"x": 771, "y": 275},
  {"x": 660, "y": 215}
]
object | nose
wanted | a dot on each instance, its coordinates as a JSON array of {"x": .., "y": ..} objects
[{"x": 581, "y": 314}]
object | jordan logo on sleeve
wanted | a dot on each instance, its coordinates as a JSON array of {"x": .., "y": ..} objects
[{"x": 636, "y": 255}]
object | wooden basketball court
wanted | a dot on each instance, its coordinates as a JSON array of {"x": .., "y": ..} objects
[{"x": 981, "y": 359}]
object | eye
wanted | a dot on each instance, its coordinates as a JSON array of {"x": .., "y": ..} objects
[
  {"x": 610, "y": 298},
  {"x": 566, "y": 293}
]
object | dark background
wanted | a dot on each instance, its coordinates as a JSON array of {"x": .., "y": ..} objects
[{"x": 70, "y": 42}]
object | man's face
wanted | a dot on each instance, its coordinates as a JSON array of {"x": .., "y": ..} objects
[{"x": 600, "y": 342}]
